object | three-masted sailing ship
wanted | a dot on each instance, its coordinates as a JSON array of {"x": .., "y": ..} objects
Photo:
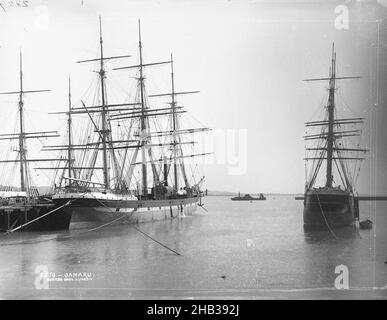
[
  {"x": 334, "y": 204},
  {"x": 129, "y": 164},
  {"x": 22, "y": 208}
]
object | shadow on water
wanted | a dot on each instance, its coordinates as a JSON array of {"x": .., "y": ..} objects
[
  {"x": 33, "y": 237},
  {"x": 345, "y": 233},
  {"x": 92, "y": 230}
]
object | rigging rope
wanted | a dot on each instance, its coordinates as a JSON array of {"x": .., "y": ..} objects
[{"x": 325, "y": 219}]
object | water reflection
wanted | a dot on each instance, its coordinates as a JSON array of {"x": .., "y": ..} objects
[
  {"x": 344, "y": 233},
  {"x": 326, "y": 250}
]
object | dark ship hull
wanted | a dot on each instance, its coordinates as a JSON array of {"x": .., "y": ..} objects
[
  {"x": 12, "y": 217},
  {"x": 246, "y": 199},
  {"x": 126, "y": 211},
  {"x": 328, "y": 209}
]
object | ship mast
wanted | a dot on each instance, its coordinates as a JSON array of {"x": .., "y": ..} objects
[
  {"x": 142, "y": 118},
  {"x": 69, "y": 123},
  {"x": 176, "y": 139},
  {"x": 144, "y": 114},
  {"x": 104, "y": 130},
  {"x": 105, "y": 142},
  {"x": 21, "y": 136},
  {"x": 174, "y": 120},
  {"x": 22, "y": 150},
  {"x": 331, "y": 119},
  {"x": 103, "y": 109}
]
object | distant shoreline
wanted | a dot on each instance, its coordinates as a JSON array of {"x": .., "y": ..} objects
[
  {"x": 231, "y": 194},
  {"x": 296, "y": 195}
]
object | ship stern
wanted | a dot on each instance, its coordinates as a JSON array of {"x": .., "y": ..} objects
[{"x": 326, "y": 209}]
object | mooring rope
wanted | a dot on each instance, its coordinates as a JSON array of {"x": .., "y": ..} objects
[
  {"x": 202, "y": 206},
  {"x": 147, "y": 235},
  {"x": 142, "y": 232},
  {"x": 325, "y": 219},
  {"x": 38, "y": 218}
]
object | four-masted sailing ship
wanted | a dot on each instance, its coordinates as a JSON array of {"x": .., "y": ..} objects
[
  {"x": 142, "y": 174},
  {"x": 22, "y": 208},
  {"x": 334, "y": 204}
]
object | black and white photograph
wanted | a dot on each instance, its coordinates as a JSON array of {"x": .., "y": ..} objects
[{"x": 209, "y": 150}]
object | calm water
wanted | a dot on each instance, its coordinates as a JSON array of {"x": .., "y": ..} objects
[{"x": 236, "y": 250}]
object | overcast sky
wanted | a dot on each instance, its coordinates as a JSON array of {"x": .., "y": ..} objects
[{"x": 247, "y": 58}]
